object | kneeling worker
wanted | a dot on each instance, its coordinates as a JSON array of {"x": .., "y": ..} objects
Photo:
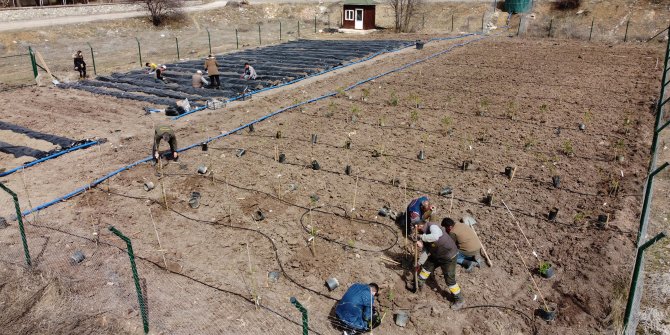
[
  {"x": 355, "y": 311},
  {"x": 469, "y": 246},
  {"x": 165, "y": 133},
  {"x": 438, "y": 249}
]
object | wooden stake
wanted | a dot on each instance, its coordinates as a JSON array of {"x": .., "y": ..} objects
[
  {"x": 276, "y": 153},
  {"x": 513, "y": 172},
  {"x": 486, "y": 255},
  {"x": 416, "y": 261},
  {"x": 160, "y": 167},
  {"x": 521, "y": 230},
  {"x": 158, "y": 238},
  {"x": 353, "y": 207},
  {"x": 546, "y": 308},
  {"x": 389, "y": 260},
  {"x": 451, "y": 202}
]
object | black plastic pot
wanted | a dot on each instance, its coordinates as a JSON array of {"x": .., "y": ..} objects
[
  {"x": 421, "y": 155},
  {"x": 466, "y": 165},
  {"x": 548, "y": 273},
  {"x": 489, "y": 199},
  {"x": 508, "y": 172},
  {"x": 347, "y": 145},
  {"x": 582, "y": 126},
  {"x": 314, "y": 138},
  {"x": 552, "y": 214},
  {"x": 259, "y": 216},
  {"x": 419, "y": 45},
  {"x": 556, "y": 181},
  {"x": 547, "y": 315},
  {"x": 278, "y": 135},
  {"x": 251, "y": 128},
  {"x": 347, "y": 170},
  {"x": 282, "y": 158},
  {"x": 376, "y": 153},
  {"x": 315, "y": 165},
  {"x": 603, "y": 220},
  {"x": 204, "y": 146},
  {"x": 241, "y": 152}
]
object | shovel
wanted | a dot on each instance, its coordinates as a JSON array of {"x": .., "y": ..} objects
[
  {"x": 46, "y": 68},
  {"x": 470, "y": 221}
]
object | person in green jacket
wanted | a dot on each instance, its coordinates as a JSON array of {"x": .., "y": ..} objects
[{"x": 165, "y": 133}]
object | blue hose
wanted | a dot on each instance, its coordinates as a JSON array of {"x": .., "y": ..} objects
[
  {"x": 109, "y": 175},
  {"x": 35, "y": 162}
]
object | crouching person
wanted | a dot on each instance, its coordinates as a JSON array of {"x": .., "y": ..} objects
[{"x": 355, "y": 311}]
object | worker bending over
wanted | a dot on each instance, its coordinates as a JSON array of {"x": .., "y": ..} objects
[
  {"x": 165, "y": 133},
  {"x": 469, "y": 245},
  {"x": 355, "y": 310},
  {"x": 438, "y": 250},
  {"x": 419, "y": 210},
  {"x": 249, "y": 72}
]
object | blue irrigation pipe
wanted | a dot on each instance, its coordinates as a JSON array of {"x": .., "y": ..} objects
[
  {"x": 409, "y": 44},
  {"x": 325, "y": 96},
  {"x": 60, "y": 153}
]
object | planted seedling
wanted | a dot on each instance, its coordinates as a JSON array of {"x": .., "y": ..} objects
[
  {"x": 568, "y": 149},
  {"x": 529, "y": 143},
  {"x": 544, "y": 108},
  {"x": 413, "y": 117},
  {"x": 365, "y": 94},
  {"x": 512, "y": 110},
  {"x": 613, "y": 187},
  {"x": 382, "y": 121},
  {"x": 446, "y": 124},
  {"x": 579, "y": 217},
  {"x": 340, "y": 92},
  {"x": 619, "y": 149},
  {"x": 415, "y": 99},
  {"x": 394, "y": 100},
  {"x": 355, "y": 113},
  {"x": 546, "y": 270},
  {"x": 331, "y": 109},
  {"x": 483, "y": 107}
]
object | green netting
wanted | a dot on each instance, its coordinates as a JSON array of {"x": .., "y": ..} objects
[{"x": 517, "y": 6}]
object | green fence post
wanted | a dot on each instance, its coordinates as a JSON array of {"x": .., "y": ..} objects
[
  {"x": 303, "y": 310},
  {"x": 95, "y": 72},
  {"x": 645, "y": 202},
  {"x": 139, "y": 51},
  {"x": 32, "y": 61},
  {"x": 483, "y": 21},
  {"x": 260, "y": 42},
  {"x": 636, "y": 275},
  {"x": 625, "y": 36},
  {"x": 591, "y": 32},
  {"x": 279, "y": 30},
  {"x": 176, "y": 41},
  {"x": 659, "y": 105},
  {"x": 209, "y": 41},
  {"x": 315, "y": 24},
  {"x": 551, "y": 24},
  {"x": 133, "y": 267},
  {"x": 19, "y": 218},
  {"x": 237, "y": 40}
]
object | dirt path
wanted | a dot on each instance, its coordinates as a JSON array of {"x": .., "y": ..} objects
[{"x": 32, "y": 24}]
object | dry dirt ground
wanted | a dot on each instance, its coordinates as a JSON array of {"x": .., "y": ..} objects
[{"x": 498, "y": 102}]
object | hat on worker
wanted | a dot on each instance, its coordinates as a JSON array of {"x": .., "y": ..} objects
[
  {"x": 163, "y": 67},
  {"x": 198, "y": 72}
]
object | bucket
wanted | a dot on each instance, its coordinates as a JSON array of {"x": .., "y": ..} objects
[
  {"x": 148, "y": 186},
  {"x": 401, "y": 318},
  {"x": 419, "y": 45},
  {"x": 332, "y": 283},
  {"x": 556, "y": 181},
  {"x": 282, "y": 158},
  {"x": 547, "y": 315},
  {"x": 202, "y": 169},
  {"x": 347, "y": 170},
  {"x": 315, "y": 165},
  {"x": 552, "y": 214},
  {"x": 240, "y": 152},
  {"x": 77, "y": 257}
]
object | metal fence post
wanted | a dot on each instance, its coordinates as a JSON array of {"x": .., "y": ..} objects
[
  {"x": 452, "y": 23},
  {"x": 298, "y": 28},
  {"x": 551, "y": 24},
  {"x": 133, "y": 267},
  {"x": 176, "y": 40},
  {"x": 659, "y": 105},
  {"x": 483, "y": 21},
  {"x": 279, "y": 30},
  {"x": 303, "y": 310},
  {"x": 591, "y": 32},
  {"x": 95, "y": 72},
  {"x": 237, "y": 40},
  {"x": 636, "y": 275},
  {"x": 260, "y": 42},
  {"x": 645, "y": 202},
  {"x": 139, "y": 51},
  {"x": 209, "y": 41},
  {"x": 315, "y": 24},
  {"x": 625, "y": 36},
  {"x": 19, "y": 218},
  {"x": 32, "y": 61},
  {"x": 519, "y": 28}
]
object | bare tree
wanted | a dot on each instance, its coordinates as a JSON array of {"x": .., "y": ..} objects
[
  {"x": 160, "y": 9},
  {"x": 404, "y": 11}
]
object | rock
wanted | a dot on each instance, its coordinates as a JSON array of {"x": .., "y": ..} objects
[{"x": 435, "y": 311}]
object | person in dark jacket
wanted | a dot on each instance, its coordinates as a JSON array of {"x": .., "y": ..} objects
[
  {"x": 160, "y": 71},
  {"x": 165, "y": 133},
  {"x": 79, "y": 64},
  {"x": 355, "y": 310},
  {"x": 438, "y": 250},
  {"x": 418, "y": 210}
]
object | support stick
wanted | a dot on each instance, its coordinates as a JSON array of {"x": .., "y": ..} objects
[
  {"x": 416, "y": 262},
  {"x": 546, "y": 308},
  {"x": 353, "y": 207},
  {"x": 486, "y": 255},
  {"x": 160, "y": 167},
  {"x": 451, "y": 202},
  {"x": 513, "y": 173},
  {"x": 389, "y": 260},
  {"x": 158, "y": 238},
  {"x": 521, "y": 230}
]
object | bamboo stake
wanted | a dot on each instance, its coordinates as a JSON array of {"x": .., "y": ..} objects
[
  {"x": 546, "y": 308},
  {"x": 406, "y": 218},
  {"x": 389, "y": 260},
  {"x": 160, "y": 167},
  {"x": 451, "y": 202},
  {"x": 521, "y": 230},
  {"x": 353, "y": 207},
  {"x": 513, "y": 173},
  {"x": 158, "y": 238},
  {"x": 416, "y": 262}
]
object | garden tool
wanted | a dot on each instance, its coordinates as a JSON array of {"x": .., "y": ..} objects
[{"x": 470, "y": 221}]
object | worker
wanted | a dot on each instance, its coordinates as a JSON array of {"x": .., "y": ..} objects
[
  {"x": 79, "y": 64},
  {"x": 469, "y": 246},
  {"x": 151, "y": 67},
  {"x": 355, "y": 311},
  {"x": 212, "y": 68},
  {"x": 165, "y": 133},
  {"x": 419, "y": 210},
  {"x": 249, "y": 72},
  {"x": 438, "y": 250},
  {"x": 159, "y": 74},
  {"x": 198, "y": 80}
]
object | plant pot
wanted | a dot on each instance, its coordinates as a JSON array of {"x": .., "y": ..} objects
[
  {"x": 3, "y": 223},
  {"x": 395, "y": 182},
  {"x": 251, "y": 128},
  {"x": 347, "y": 145},
  {"x": 421, "y": 155},
  {"x": 202, "y": 169},
  {"x": 278, "y": 134},
  {"x": 548, "y": 273},
  {"x": 445, "y": 191},
  {"x": 347, "y": 170},
  {"x": 258, "y": 216},
  {"x": 556, "y": 181},
  {"x": 282, "y": 158},
  {"x": 240, "y": 152},
  {"x": 148, "y": 186},
  {"x": 488, "y": 200},
  {"x": 77, "y": 257},
  {"x": 547, "y": 315},
  {"x": 419, "y": 45},
  {"x": 384, "y": 212},
  {"x": 314, "y": 138},
  {"x": 273, "y": 276},
  {"x": 194, "y": 202},
  {"x": 582, "y": 126},
  {"x": 315, "y": 165},
  {"x": 552, "y": 214},
  {"x": 603, "y": 220},
  {"x": 466, "y": 165},
  {"x": 401, "y": 318},
  {"x": 332, "y": 283},
  {"x": 204, "y": 146},
  {"x": 508, "y": 171}
]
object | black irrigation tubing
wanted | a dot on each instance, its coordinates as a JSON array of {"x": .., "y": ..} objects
[
  {"x": 530, "y": 320},
  {"x": 239, "y": 295}
]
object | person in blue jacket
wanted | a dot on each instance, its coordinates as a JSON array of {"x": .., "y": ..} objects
[
  {"x": 419, "y": 210},
  {"x": 355, "y": 310}
]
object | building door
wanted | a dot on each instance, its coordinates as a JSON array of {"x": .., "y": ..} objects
[{"x": 359, "y": 19}]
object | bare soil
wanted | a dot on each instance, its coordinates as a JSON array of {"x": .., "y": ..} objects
[{"x": 497, "y": 102}]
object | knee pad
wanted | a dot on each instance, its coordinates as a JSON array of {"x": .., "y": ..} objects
[
  {"x": 455, "y": 289},
  {"x": 424, "y": 274}
]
